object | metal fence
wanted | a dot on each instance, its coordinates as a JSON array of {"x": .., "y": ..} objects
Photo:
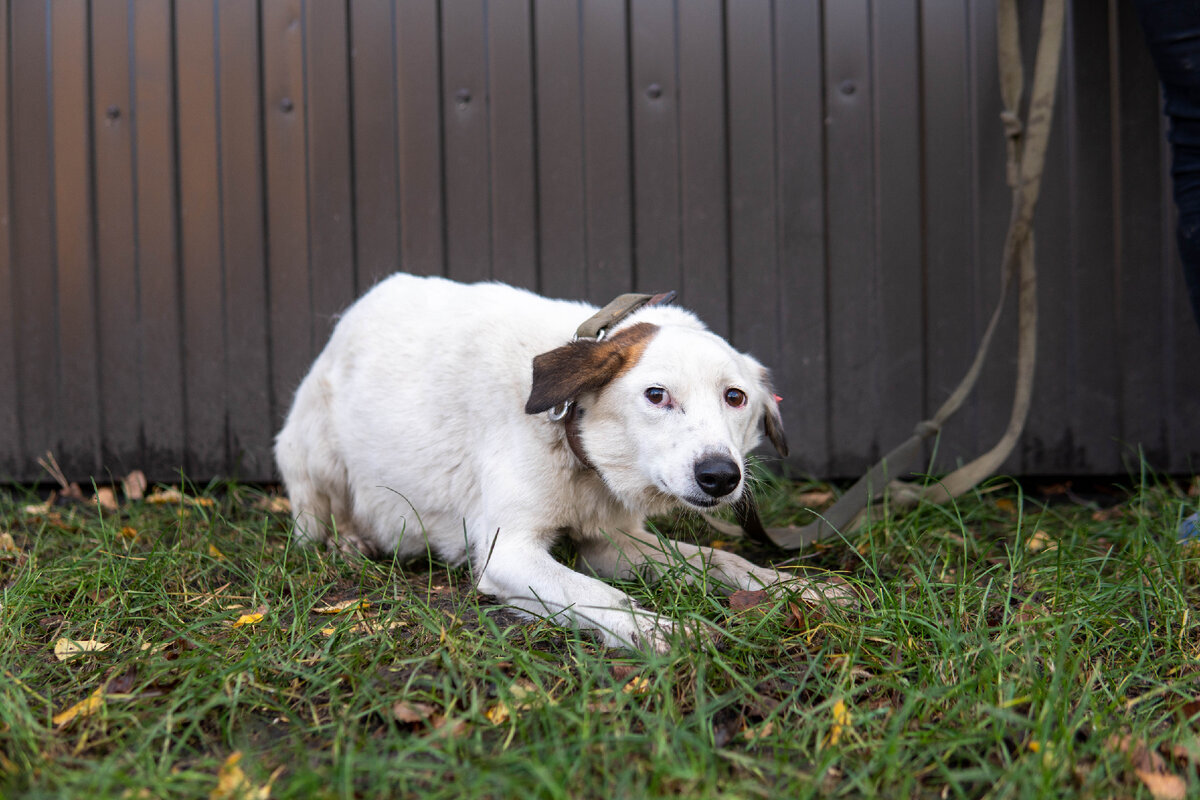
[{"x": 191, "y": 190}]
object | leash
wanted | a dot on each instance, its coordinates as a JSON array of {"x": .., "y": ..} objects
[{"x": 1026, "y": 145}]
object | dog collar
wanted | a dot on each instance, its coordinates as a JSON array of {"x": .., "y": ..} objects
[{"x": 597, "y": 327}]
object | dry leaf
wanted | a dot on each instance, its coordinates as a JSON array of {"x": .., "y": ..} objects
[
  {"x": 345, "y": 605},
  {"x": 106, "y": 498},
  {"x": 84, "y": 708},
  {"x": 173, "y": 496},
  {"x": 8, "y": 547},
  {"x": 134, "y": 485},
  {"x": 1150, "y": 768},
  {"x": 67, "y": 648},
  {"x": 1107, "y": 514},
  {"x": 412, "y": 712},
  {"x": 215, "y": 553},
  {"x": 232, "y": 783},
  {"x": 638, "y": 686},
  {"x": 498, "y": 714},
  {"x": 759, "y": 732},
  {"x": 1040, "y": 541},
  {"x": 38, "y": 509},
  {"x": 815, "y": 498},
  {"x": 252, "y": 618},
  {"x": 276, "y": 504},
  {"x": 744, "y": 599},
  {"x": 841, "y": 721},
  {"x": 129, "y": 534},
  {"x": 1006, "y": 505},
  {"x": 367, "y": 626}
]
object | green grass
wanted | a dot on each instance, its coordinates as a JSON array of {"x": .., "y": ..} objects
[{"x": 991, "y": 660}]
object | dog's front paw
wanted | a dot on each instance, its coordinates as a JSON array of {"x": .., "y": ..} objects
[
  {"x": 827, "y": 588},
  {"x": 651, "y": 633}
]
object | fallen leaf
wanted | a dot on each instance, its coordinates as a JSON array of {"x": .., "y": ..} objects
[
  {"x": 637, "y": 686},
  {"x": 276, "y": 504},
  {"x": 498, "y": 714},
  {"x": 215, "y": 553},
  {"x": 8, "y": 547},
  {"x": 37, "y": 509},
  {"x": 814, "y": 498},
  {"x": 743, "y": 599},
  {"x": 84, "y": 708},
  {"x": 1107, "y": 514},
  {"x": 1006, "y": 505},
  {"x": 232, "y": 783},
  {"x": 106, "y": 498},
  {"x": 759, "y": 732},
  {"x": 1055, "y": 489},
  {"x": 344, "y": 605},
  {"x": 173, "y": 496},
  {"x": 365, "y": 626},
  {"x": 410, "y": 713},
  {"x": 1150, "y": 768},
  {"x": 129, "y": 534},
  {"x": 1163, "y": 785},
  {"x": 134, "y": 485},
  {"x": 841, "y": 721},
  {"x": 1040, "y": 541},
  {"x": 253, "y": 618},
  {"x": 68, "y": 648}
]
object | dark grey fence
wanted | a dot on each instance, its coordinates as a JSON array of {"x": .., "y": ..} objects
[{"x": 191, "y": 190}]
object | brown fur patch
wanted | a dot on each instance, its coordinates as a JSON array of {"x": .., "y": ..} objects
[{"x": 585, "y": 365}]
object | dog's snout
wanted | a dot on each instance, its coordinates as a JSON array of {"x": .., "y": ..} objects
[{"x": 718, "y": 475}]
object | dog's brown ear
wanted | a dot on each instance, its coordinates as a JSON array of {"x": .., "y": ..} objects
[
  {"x": 773, "y": 421},
  {"x": 585, "y": 365}
]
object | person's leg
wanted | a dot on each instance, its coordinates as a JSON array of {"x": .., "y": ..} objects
[{"x": 1172, "y": 29}]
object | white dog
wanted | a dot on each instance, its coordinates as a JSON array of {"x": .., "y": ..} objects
[{"x": 423, "y": 425}]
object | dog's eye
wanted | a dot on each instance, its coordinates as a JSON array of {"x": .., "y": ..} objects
[
  {"x": 735, "y": 398},
  {"x": 658, "y": 396}
]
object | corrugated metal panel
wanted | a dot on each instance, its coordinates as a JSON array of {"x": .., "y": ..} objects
[{"x": 191, "y": 191}]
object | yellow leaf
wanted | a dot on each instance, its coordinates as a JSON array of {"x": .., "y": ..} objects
[
  {"x": 8, "y": 547},
  {"x": 66, "y": 648},
  {"x": 248, "y": 619},
  {"x": 274, "y": 503},
  {"x": 498, "y": 713},
  {"x": 1040, "y": 541},
  {"x": 129, "y": 534},
  {"x": 1006, "y": 505},
  {"x": 841, "y": 721},
  {"x": 233, "y": 785},
  {"x": 345, "y": 605},
  {"x": 637, "y": 686},
  {"x": 215, "y": 553},
  {"x": 173, "y": 496},
  {"x": 84, "y": 708}
]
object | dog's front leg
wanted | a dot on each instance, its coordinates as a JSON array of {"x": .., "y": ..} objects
[
  {"x": 519, "y": 571},
  {"x": 624, "y": 554}
]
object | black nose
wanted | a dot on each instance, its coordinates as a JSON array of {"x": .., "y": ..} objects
[{"x": 718, "y": 475}]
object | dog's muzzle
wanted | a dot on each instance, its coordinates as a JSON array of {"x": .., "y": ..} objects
[{"x": 718, "y": 475}]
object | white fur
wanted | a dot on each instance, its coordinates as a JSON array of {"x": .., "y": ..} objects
[{"x": 410, "y": 433}]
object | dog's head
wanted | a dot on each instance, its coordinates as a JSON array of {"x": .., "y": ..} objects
[{"x": 666, "y": 411}]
